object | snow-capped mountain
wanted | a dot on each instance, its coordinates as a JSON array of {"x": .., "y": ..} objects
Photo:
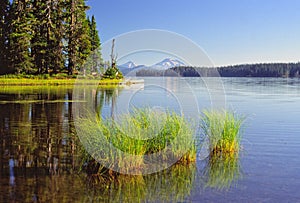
[
  {"x": 170, "y": 63},
  {"x": 167, "y": 63},
  {"x": 131, "y": 67},
  {"x": 129, "y": 64}
]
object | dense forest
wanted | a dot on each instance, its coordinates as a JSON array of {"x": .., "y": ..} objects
[
  {"x": 47, "y": 37},
  {"x": 245, "y": 70}
]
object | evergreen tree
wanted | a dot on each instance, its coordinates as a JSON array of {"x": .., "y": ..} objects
[
  {"x": 95, "y": 45},
  {"x": 93, "y": 63},
  {"x": 39, "y": 42},
  {"x": 79, "y": 45},
  {"x": 84, "y": 40},
  {"x": 95, "y": 39},
  {"x": 21, "y": 35},
  {"x": 47, "y": 42},
  {"x": 4, "y": 32},
  {"x": 47, "y": 36},
  {"x": 56, "y": 41}
]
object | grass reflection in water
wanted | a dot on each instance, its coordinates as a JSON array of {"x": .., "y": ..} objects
[
  {"x": 171, "y": 185},
  {"x": 221, "y": 171}
]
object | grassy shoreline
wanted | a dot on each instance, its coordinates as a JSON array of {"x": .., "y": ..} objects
[{"x": 58, "y": 82}]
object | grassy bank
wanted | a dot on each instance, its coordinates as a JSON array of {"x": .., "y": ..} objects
[{"x": 55, "y": 80}]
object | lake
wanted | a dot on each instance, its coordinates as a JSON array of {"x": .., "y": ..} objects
[{"x": 39, "y": 146}]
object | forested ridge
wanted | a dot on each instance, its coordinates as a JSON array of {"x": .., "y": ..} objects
[
  {"x": 244, "y": 70},
  {"x": 47, "y": 37}
]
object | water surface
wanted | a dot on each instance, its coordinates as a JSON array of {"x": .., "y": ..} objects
[{"x": 39, "y": 152}]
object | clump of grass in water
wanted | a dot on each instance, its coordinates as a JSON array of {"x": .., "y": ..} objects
[
  {"x": 142, "y": 132},
  {"x": 223, "y": 129}
]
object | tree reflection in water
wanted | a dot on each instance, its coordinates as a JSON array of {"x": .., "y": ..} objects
[{"x": 38, "y": 137}]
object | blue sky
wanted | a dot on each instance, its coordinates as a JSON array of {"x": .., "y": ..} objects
[{"x": 229, "y": 31}]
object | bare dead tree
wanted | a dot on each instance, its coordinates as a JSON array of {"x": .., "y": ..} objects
[{"x": 112, "y": 55}]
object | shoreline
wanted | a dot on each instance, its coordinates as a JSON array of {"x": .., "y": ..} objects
[{"x": 66, "y": 82}]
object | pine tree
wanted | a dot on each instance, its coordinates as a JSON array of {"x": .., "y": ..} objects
[
  {"x": 84, "y": 40},
  {"x": 78, "y": 35},
  {"x": 95, "y": 45},
  {"x": 47, "y": 42},
  {"x": 95, "y": 40},
  {"x": 93, "y": 62},
  {"x": 56, "y": 42},
  {"x": 47, "y": 36},
  {"x": 4, "y": 32},
  {"x": 39, "y": 42},
  {"x": 21, "y": 35}
]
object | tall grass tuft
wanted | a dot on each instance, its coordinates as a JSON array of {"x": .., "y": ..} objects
[
  {"x": 223, "y": 129},
  {"x": 142, "y": 132}
]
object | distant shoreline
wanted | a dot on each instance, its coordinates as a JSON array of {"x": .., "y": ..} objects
[{"x": 276, "y": 70}]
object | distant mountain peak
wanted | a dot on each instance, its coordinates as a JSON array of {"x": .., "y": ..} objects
[
  {"x": 168, "y": 63},
  {"x": 162, "y": 65},
  {"x": 128, "y": 64}
]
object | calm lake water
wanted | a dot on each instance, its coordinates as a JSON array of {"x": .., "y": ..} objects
[{"x": 39, "y": 152}]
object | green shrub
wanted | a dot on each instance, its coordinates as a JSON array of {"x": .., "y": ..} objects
[{"x": 113, "y": 73}]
